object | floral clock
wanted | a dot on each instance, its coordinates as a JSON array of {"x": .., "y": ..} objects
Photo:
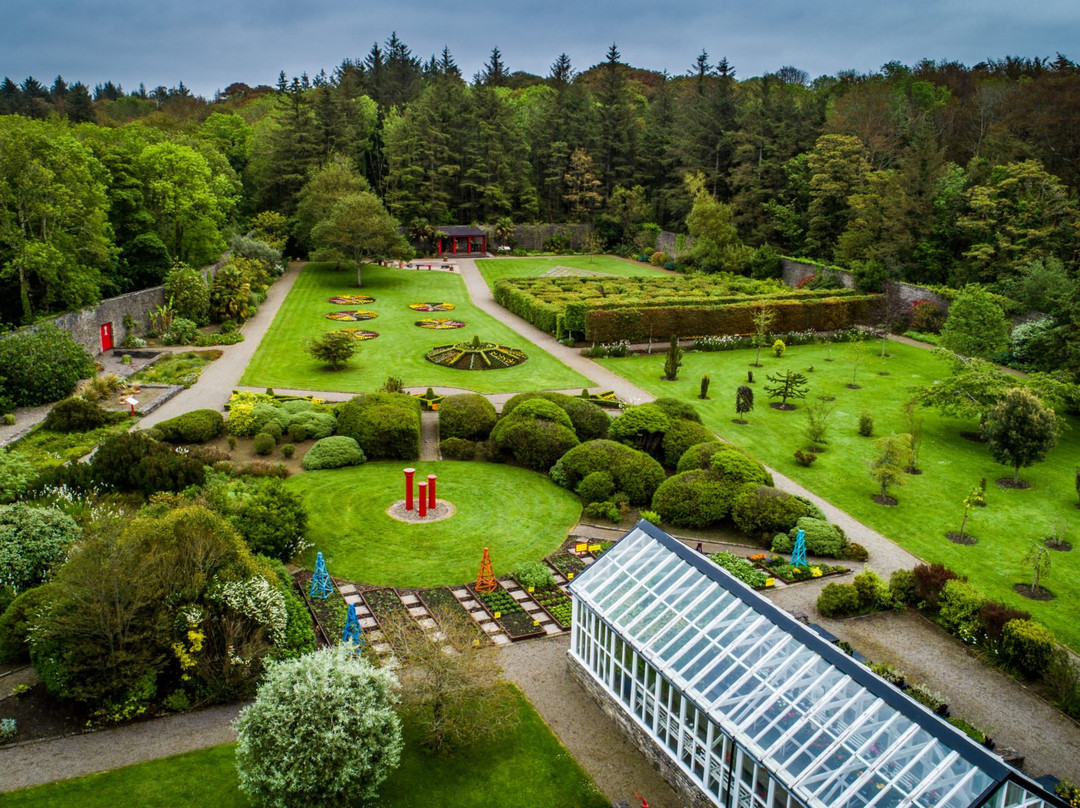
[
  {"x": 351, "y": 316},
  {"x": 439, "y": 323}
]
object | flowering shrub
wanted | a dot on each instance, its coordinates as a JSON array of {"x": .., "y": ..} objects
[{"x": 256, "y": 599}]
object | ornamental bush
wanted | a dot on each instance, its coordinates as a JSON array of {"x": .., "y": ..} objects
[
  {"x": 458, "y": 449},
  {"x": 15, "y": 624},
  {"x": 960, "y": 605},
  {"x": 135, "y": 462},
  {"x": 333, "y": 453},
  {"x": 322, "y": 732},
  {"x": 873, "y": 590},
  {"x": 76, "y": 414},
  {"x": 838, "y": 600},
  {"x": 677, "y": 409},
  {"x": 271, "y": 518},
  {"x": 696, "y": 499},
  {"x": 699, "y": 456},
  {"x": 197, "y": 426},
  {"x": 596, "y": 487},
  {"x": 314, "y": 424},
  {"x": 16, "y": 475},
  {"x": 263, "y": 414},
  {"x": 386, "y": 425},
  {"x": 589, "y": 420},
  {"x": 822, "y": 538},
  {"x": 681, "y": 436},
  {"x": 930, "y": 579},
  {"x": 41, "y": 365},
  {"x": 33, "y": 544},
  {"x": 469, "y": 416},
  {"x": 264, "y": 443},
  {"x": 1028, "y": 647},
  {"x": 635, "y": 473},
  {"x": 535, "y": 443},
  {"x": 734, "y": 466},
  {"x": 761, "y": 511},
  {"x": 641, "y": 427},
  {"x": 188, "y": 293},
  {"x": 902, "y": 588}
]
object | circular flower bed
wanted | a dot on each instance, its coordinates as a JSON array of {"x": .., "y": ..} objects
[
  {"x": 352, "y": 300},
  {"x": 431, "y": 306},
  {"x": 439, "y": 322},
  {"x": 476, "y": 355},
  {"x": 351, "y": 316},
  {"x": 359, "y": 333}
]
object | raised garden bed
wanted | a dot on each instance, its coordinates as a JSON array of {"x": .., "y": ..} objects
[
  {"x": 557, "y": 604},
  {"x": 328, "y": 613},
  {"x": 507, "y": 612},
  {"x": 566, "y": 563},
  {"x": 442, "y": 601},
  {"x": 385, "y": 605},
  {"x": 743, "y": 569},
  {"x": 778, "y": 567}
]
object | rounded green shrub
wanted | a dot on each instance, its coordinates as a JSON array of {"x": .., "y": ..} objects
[
  {"x": 680, "y": 437},
  {"x": 642, "y": 427},
  {"x": 677, "y": 410},
  {"x": 873, "y": 590},
  {"x": 197, "y": 426},
  {"x": 1027, "y": 646},
  {"x": 635, "y": 473},
  {"x": 590, "y": 422},
  {"x": 607, "y": 511},
  {"x": 76, "y": 414},
  {"x": 535, "y": 443},
  {"x": 263, "y": 414},
  {"x": 838, "y": 600},
  {"x": 264, "y": 443},
  {"x": 134, "y": 462},
  {"x": 273, "y": 429},
  {"x": 902, "y": 588},
  {"x": 468, "y": 415},
  {"x": 299, "y": 432},
  {"x": 760, "y": 511},
  {"x": 385, "y": 425},
  {"x": 822, "y": 539},
  {"x": 288, "y": 450},
  {"x": 536, "y": 408},
  {"x": 15, "y": 624},
  {"x": 457, "y": 449},
  {"x": 694, "y": 499},
  {"x": 596, "y": 487},
  {"x": 333, "y": 453},
  {"x": 297, "y": 405},
  {"x": 736, "y": 467},
  {"x": 42, "y": 365},
  {"x": 316, "y": 424},
  {"x": 960, "y": 605},
  {"x": 699, "y": 456}
]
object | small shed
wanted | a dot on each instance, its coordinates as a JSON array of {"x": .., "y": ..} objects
[{"x": 462, "y": 240}]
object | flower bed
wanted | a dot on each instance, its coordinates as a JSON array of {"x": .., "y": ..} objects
[
  {"x": 359, "y": 334},
  {"x": 507, "y": 612},
  {"x": 742, "y": 569},
  {"x": 439, "y": 323},
  {"x": 476, "y": 355},
  {"x": 566, "y": 563},
  {"x": 431, "y": 306},
  {"x": 352, "y": 300},
  {"x": 556, "y": 603},
  {"x": 352, "y": 316},
  {"x": 778, "y": 567}
]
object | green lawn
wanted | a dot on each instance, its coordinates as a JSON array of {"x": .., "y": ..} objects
[
  {"x": 930, "y": 504},
  {"x": 524, "y": 767},
  {"x": 280, "y": 360},
  {"x": 494, "y": 268},
  {"x": 520, "y": 515}
]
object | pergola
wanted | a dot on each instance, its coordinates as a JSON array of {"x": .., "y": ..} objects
[{"x": 461, "y": 240}]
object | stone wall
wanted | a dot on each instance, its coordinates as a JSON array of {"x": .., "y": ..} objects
[
  {"x": 661, "y": 760},
  {"x": 669, "y": 243},
  {"x": 533, "y": 236},
  {"x": 898, "y": 296}
]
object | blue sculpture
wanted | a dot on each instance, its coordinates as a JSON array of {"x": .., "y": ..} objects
[
  {"x": 798, "y": 554},
  {"x": 321, "y": 585},
  {"x": 353, "y": 633}
]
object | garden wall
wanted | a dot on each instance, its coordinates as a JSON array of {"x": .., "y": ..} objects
[
  {"x": 533, "y": 236},
  {"x": 898, "y": 296},
  {"x": 669, "y": 243},
  {"x": 85, "y": 325}
]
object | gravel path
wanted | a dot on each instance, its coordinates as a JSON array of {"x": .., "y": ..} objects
[
  {"x": 539, "y": 668},
  {"x": 31, "y": 764},
  {"x": 429, "y": 436}
]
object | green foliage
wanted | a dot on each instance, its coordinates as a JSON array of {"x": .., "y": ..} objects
[
  {"x": 822, "y": 538},
  {"x": 33, "y": 544},
  {"x": 264, "y": 443},
  {"x": 699, "y": 456},
  {"x": 230, "y": 293},
  {"x": 197, "y": 426},
  {"x": 535, "y": 574},
  {"x": 680, "y": 437},
  {"x": 635, "y": 473},
  {"x": 960, "y": 605},
  {"x": 15, "y": 624},
  {"x": 181, "y": 332},
  {"x": 1028, "y": 647},
  {"x": 902, "y": 588},
  {"x": 76, "y": 414},
  {"x": 642, "y": 427},
  {"x": 386, "y": 425},
  {"x": 459, "y": 449},
  {"x": 313, "y": 424},
  {"x": 535, "y": 443},
  {"x": 778, "y": 348},
  {"x": 41, "y": 365},
  {"x": 866, "y": 424},
  {"x": 16, "y": 475},
  {"x": 976, "y": 325},
  {"x": 761, "y": 511},
  {"x": 271, "y": 518},
  {"x": 891, "y": 461},
  {"x": 334, "y": 349},
  {"x": 930, "y": 579},
  {"x": 740, "y": 568},
  {"x": 333, "y": 453},
  {"x": 1020, "y": 430},
  {"x": 677, "y": 409},
  {"x": 607, "y": 511},
  {"x": 788, "y": 384},
  {"x": 596, "y": 487},
  {"x": 589, "y": 420},
  {"x": 838, "y": 600},
  {"x": 744, "y": 400},
  {"x": 735, "y": 466},
  {"x": 673, "y": 359},
  {"x": 134, "y": 462},
  {"x": 873, "y": 590},
  {"x": 468, "y": 415},
  {"x": 322, "y": 732},
  {"x": 695, "y": 499},
  {"x": 188, "y": 293}
]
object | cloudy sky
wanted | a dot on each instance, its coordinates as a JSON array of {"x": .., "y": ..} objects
[{"x": 209, "y": 45}]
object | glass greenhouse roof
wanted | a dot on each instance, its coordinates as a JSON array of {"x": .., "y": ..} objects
[{"x": 829, "y": 728}]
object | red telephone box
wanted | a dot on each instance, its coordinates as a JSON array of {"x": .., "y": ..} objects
[{"x": 106, "y": 336}]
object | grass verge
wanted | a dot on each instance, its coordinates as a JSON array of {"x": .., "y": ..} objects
[{"x": 495, "y": 268}]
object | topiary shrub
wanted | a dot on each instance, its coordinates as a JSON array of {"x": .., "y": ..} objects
[
  {"x": 736, "y": 467},
  {"x": 699, "y": 456},
  {"x": 457, "y": 449},
  {"x": 536, "y": 408},
  {"x": 838, "y": 600},
  {"x": 333, "y": 453},
  {"x": 641, "y": 427},
  {"x": 299, "y": 432},
  {"x": 288, "y": 450},
  {"x": 263, "y": 414},
  {"x": 273, "y": 429},
  {"x": 822, "y": 538},
  {"x": 596, "y": 487},
  {"x": 264, "y": 443},
  {"x": 760, "y": 511},
  {"x": 469, "y": 416},
  {"x": 79, "y": 415},
  {"x": 960, "y": 605},
  {"x": 696, "y": 499},
  {"x": 681, "y": 436},
  {"x": 1028, "y": 647},
  {"x": 635, "y": 473},
  {"x": 197, "y": 426},
  {"x": 677, "y": 410},
  {"x": 15, "y": 624},
  {"x": 535, "y": 443},
  {"x": 854, "y": 551},
  {"x": 385, "y": 425},
  {"x": 589, "y": 421}
]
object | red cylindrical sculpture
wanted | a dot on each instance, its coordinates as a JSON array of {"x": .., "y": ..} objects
[
  {"x": 408, "y": 488},
  {"x": 431, "y": 491},
  {"x": 421, "y": 498}
]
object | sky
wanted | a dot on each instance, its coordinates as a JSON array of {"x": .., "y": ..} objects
[{"x": 210, "y": 45}]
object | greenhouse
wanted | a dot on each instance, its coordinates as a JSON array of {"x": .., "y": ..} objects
[{"x": 743, "y": 705}]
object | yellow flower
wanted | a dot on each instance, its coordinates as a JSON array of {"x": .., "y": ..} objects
[{"x": 815, "y": 572}]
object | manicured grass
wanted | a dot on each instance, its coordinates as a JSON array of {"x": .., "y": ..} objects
[
  {"x": 494, "y": 268},
  {"x": 45, "y": 448},
  {"x": 930, "y": 504},
  {"x": 280, "y": 360},
  {"x": 520, "y": 515},
  {"x": 526, "y": 767}
]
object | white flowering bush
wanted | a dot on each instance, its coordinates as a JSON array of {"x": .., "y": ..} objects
[
  {"x": 260, "y": 601},
  {"x": 321, "y": 732}
]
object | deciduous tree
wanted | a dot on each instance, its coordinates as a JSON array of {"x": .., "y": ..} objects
[{"x": 1020, "y": 430}]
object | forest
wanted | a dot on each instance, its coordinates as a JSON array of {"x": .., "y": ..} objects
[{"x": 937, "y": 173}]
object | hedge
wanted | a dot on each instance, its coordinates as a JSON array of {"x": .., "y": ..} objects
[
  {"x": 333, "y": 453},
  {"x": 468, "y": 416},
  {"x": 197, "y": 426},
  {"x": 386, "y": 425},
  {"x": 636, "y": 474}
]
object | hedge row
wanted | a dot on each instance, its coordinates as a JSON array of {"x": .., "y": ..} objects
[{"x": 821, "y": 314}]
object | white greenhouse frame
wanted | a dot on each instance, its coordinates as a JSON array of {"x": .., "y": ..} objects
[{"x": 758, "y": 709}]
